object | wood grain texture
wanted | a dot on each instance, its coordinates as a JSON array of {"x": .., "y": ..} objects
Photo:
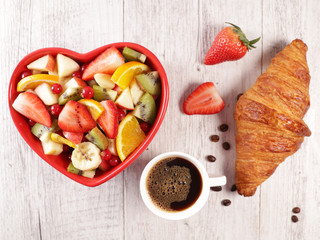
[
  {"x": 37, "y": 202},
  {"x": 295, "y": 182},
  {"x": 185, "y": 42}
]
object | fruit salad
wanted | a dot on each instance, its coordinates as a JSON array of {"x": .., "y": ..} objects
[{"x": 95, "y": 114}]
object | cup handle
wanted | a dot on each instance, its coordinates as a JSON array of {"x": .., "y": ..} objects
[{"x": 217, "y": 181}]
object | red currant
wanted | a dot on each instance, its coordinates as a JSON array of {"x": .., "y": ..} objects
[
  {"x": 77, "y": 74},
  {"x": 146, "y": 127},
  {"x": 56, "y": 88},
  {"x": 114, "y": 161},
  {"x": 121, "y": 114},
  {"x": 31, "y": 122},
  {"x": 105, "y": 155},
  {"x": 55, "y": 109},
  {"x": 87, "y": 92},
  {"x": 26, "y": 74},
  {"x": 83, "y": 67}
]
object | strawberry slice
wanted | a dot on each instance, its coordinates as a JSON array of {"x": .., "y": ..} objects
[
  {"x": 29, "y": 105},
  {"x": 75, "y": 137},
  {"x": 107, "y": 62},
  {"x": 75, "y": 117},
  {"x": 109, "y": 119},
  {"x": 204, "y": 100}
]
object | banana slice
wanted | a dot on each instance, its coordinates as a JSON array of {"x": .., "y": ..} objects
[{"x": 86, "y": 156}]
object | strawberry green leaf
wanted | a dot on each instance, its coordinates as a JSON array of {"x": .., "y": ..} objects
[{"x": 254, "y": 41}]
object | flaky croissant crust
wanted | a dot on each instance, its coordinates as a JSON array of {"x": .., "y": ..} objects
[{"x": 269, "y": 117}]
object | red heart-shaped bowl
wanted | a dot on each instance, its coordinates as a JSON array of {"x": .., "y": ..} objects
[{"x": 59, "y": 162}]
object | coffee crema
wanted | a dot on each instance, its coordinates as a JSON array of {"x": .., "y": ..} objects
[{"x": 174, "y": 184}]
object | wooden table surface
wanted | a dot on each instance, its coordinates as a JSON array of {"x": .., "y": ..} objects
[{"x": 37, "y": 202}]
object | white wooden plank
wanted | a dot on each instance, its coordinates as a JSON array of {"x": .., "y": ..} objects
[
  {"x": 18, "y": 201},
  {"x": 183, "y": 35},
  {"x": 37, "y": 201},
  {"x": 296, "y": 181}
]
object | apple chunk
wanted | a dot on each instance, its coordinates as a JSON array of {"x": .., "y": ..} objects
[
  {"x": 136, "y": 91},
  {"x": 125, "y": 100},
  {"x": 46, "y": 95},
  {"x": 104, "y": 80},
  {"x": 74, "y": 82},
  {"x": 44, "y": 64},
  {"x": 66, "y": 65}
]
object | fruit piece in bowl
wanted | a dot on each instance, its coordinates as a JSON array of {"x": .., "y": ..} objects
[{"x": 79, "y": 104}]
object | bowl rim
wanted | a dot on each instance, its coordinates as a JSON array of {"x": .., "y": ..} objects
[{"x": 79, "y": 57}]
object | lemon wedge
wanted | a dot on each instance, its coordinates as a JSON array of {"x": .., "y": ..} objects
[
  {"x": 129, "y": 137},
  {"x": 126, "y": 72},
  {"x": 93, "y": 106},
  {"x": 58, "y": 139},
  {"x": 33, "y": 81}
]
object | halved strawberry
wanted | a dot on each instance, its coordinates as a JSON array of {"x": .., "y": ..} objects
[
  {"x": 75, "y": 117},
  {"x": 204, "y": 100},
  {"x": 29, "y": 105},
  {"x": 109, "y": 119},
  {"x": 107, "y": 62},
  {"x": 75, "y": 137}
]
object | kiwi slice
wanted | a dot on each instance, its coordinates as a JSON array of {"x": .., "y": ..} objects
[
  {"x": 88, "y": 174},
  {"x": 39, "y": 130},
  {"x": 101, "y": 94},
  {"x": 71, "y": 93},
  {"x": 98, "y": 138},
  {"x": 150, "y": 82},
  {"x": 146, "y": 108},
  {"x": 132, "y": 55},
  {"x": 74, "y": 170}
]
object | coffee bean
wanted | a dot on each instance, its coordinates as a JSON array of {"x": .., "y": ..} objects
[
  {"x": 296, "y": 210},
  {"x": 211, "y": 158},
  {"x": 226, "y": 145},
  {"x": 239, "y": 95},
  {"x": 294, "y": 218},
  {"x": 226, "y": 202},
  {"x": 223, "y": 127},
  {"x": 233, "y": 188},
  {"x": 214, "y": 138},
  {"x": 216, "y": 189}
]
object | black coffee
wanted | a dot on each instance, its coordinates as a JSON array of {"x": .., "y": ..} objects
[{"x": 174, "y": 184}]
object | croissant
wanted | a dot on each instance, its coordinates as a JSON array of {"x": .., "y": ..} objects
[{"x": 269, "y": 117}]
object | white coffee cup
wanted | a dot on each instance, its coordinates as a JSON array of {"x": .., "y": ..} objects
[{"x": 197, "y": 205}]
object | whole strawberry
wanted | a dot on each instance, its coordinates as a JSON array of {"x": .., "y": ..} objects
[{"x": 230, "y": 44}]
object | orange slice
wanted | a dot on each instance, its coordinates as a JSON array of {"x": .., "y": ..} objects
[
  {"x": 129, "y": 137},
  {"x": 58, "y": 139},
  {"x": 93, "y": 106},
  {"x": 126, "y": 72},
  {"x": 33, "y": 81}
]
